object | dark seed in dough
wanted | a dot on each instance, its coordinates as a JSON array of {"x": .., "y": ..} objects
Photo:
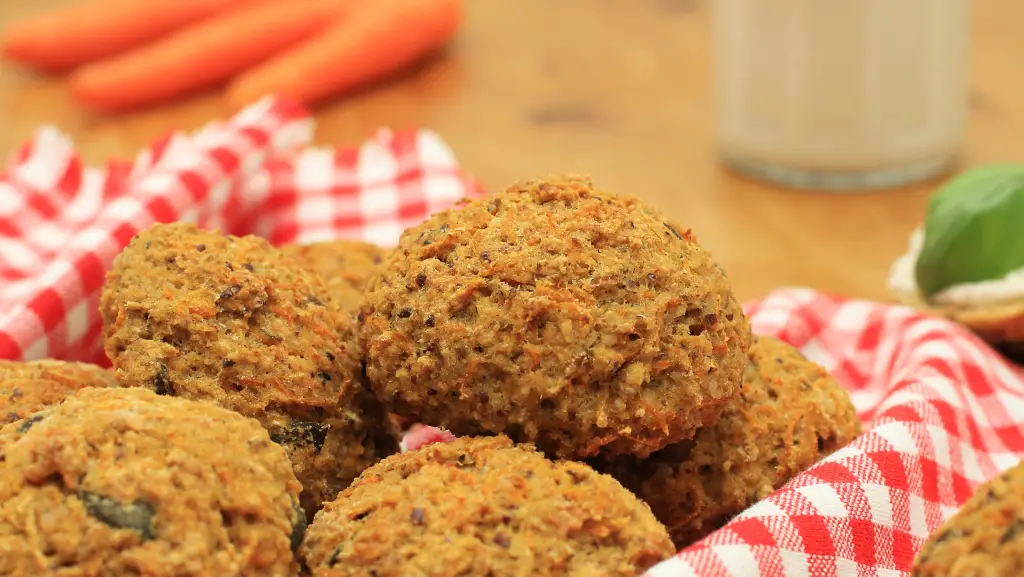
[{"x": 137, "y": 515}]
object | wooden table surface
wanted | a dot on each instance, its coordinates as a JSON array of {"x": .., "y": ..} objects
[{"x": 618, "y": 89}]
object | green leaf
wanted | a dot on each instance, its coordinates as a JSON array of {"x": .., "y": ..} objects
[{"x": 974, "y": 228}]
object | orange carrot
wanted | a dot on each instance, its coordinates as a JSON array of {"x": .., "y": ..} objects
[
  {"x": 94, "y": 29},
  {"x": 384, "y": 36},
  {"x": 204, "y": 54}
]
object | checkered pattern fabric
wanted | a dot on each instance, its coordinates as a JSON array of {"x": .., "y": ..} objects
[
  {"x": 62, "y": 223},
  {"x": 942, "y": 411}
]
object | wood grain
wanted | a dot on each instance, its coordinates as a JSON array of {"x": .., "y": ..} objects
[{"x": 614, "y": 88}]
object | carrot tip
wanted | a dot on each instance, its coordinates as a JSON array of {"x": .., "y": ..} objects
[{"x": 12, "y": 49}]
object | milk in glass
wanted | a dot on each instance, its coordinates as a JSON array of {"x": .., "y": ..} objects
[{"x": 840, "y": 94}]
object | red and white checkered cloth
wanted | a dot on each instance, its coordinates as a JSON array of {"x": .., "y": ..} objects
[
  {"x": 62, "y": 224},
  {"x": 942, "y": 411}
]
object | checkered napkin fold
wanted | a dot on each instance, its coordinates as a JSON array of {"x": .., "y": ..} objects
[
  {"x": 62, "y": 223},
  {"x": 942, "y": 411}
]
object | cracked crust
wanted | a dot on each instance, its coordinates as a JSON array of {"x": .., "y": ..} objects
[
  {"x": 557, "y": 314},
  {"x": 124, "y": 482},
  {"x": 788, "y": 415},
  {"x": 228, "y": 319},
  {"x": 483, "y": 506}
]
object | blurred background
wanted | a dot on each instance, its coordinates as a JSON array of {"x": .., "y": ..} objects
[{"x": 621, "y": 90}]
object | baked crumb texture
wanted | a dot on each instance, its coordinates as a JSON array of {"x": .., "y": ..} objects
[
  {"x": 125, "y": 482},
  {"x": 231, "y": 320},
  {"x": 557, "y": 314},
  {"x": 483, "y": 506}
]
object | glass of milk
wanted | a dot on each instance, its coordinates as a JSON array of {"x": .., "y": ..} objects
[{"x": 840, "y": 94}]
